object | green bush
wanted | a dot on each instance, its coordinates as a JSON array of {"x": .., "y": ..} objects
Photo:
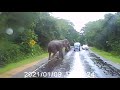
[
  {"x": 25, "y": 48},
  {"x": 115, "y": 47},
  {"x": 9, "y": 53},
  {"x": 37, "y": 50}
]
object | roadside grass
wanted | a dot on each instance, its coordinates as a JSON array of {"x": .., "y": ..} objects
[
  {"x": 107, "y": 55},
  {"x": 22, "y": 62}
]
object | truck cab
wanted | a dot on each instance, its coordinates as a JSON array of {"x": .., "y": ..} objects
[{"x": 76, "y": 46}]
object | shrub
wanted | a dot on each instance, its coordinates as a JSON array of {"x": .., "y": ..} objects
[
  {"x": 9, "y": 53},
  {"x": 37, "y": 50}
]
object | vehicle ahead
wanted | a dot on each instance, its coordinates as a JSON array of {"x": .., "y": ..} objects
[
  {"x": 85, "y": 47},
  {"x": 77, "y": 46}
]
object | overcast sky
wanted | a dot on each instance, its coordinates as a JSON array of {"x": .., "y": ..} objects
[{"x": 80, "y": 18}]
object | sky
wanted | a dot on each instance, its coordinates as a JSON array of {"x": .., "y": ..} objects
[{"x": 79, "y": 19}]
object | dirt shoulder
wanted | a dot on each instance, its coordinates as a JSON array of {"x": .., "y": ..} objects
[{"x": 19, "y": 72}]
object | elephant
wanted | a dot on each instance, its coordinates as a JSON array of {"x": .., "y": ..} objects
[
  {"x": 57, "y": 45},
  {"x": 66, "y": 44}
]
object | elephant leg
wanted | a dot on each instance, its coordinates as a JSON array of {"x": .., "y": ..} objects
[
  {"x": 61, "y": 54},
  {"x": 49, "y": 55},
  {"x": 54, "y": 54}
]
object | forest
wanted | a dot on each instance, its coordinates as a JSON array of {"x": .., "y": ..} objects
[
  {"x": 23, "y": 34},
  {"x": 103, "y": 34}
]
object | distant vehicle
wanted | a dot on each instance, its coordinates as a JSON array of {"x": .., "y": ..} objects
[
  {"x": 85, "y": 47},
  {"x": 76, "y": 46}
]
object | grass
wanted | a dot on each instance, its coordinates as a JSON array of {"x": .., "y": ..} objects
[
  {"x": 22, "y": 62},
  {"x": 107, "y": 55}
]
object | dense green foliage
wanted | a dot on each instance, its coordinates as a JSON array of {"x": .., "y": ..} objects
[
  {"x": 31, "y": 33},
  {"x": 104, "y": 33}
]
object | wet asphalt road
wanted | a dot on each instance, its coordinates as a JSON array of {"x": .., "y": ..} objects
[{"x": 79, "y": 64}]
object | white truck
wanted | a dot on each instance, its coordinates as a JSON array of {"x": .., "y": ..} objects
[{"x": 77, "y": 46}]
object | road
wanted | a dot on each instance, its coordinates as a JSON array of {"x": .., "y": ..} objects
[{"x": 79, "y": 64}]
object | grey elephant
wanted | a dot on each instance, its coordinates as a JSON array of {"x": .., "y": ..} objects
[{"x": 55, "y": 46}]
